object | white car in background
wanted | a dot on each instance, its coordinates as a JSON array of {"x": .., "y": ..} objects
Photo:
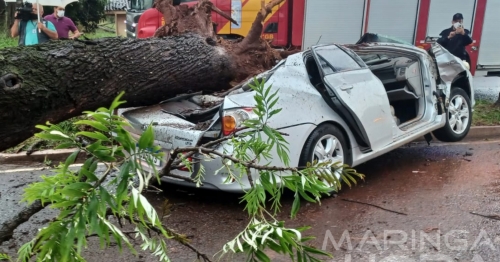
[{"x": 347, "y": 103}]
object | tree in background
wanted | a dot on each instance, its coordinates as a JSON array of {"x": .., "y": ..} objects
[{"x": 86, "y": 13}]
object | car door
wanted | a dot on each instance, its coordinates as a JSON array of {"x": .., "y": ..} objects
[{"x": 357, "y": 95}]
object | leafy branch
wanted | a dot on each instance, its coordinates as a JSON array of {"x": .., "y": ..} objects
[{"x": 88, "y": 197}]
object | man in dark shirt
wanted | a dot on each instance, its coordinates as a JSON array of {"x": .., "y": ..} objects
[
  {"x": 63, "y": 24},
  {"x": 456, "y": 38}
]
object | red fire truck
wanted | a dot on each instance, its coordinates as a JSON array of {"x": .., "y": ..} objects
[{"x": 302, "y": 23}]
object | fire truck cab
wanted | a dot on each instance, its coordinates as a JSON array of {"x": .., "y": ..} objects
[{"x": 302, "y": 23}]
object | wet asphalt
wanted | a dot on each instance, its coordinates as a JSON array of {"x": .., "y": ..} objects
[{"x": 446, "y": 197}]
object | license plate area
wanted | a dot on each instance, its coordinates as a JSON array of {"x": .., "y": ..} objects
[{"x": 144, "y": 160}]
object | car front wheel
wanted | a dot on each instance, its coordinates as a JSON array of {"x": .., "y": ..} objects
[
  {"x": 326, "y": 144},
  {"x": 458, "y": 117}
]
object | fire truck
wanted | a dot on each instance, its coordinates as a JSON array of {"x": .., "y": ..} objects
[{"x": 302, "y": 23}]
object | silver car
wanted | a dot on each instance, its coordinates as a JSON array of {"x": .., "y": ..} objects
[{"x": 347, "y": 103}]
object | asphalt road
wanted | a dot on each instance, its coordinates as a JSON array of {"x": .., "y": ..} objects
[{"x": 436, "y": 188}]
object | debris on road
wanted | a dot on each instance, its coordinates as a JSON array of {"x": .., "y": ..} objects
[
  {"x": 494, "y": 217},
  {"x": 368, "y": 204}
]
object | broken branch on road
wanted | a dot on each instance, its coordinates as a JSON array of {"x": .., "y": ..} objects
[
  {"x": 379, "y": 207},
  {"x": 494, "y": 217}
]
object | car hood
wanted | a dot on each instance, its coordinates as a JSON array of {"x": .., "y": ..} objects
[
  {"x": 449, "y": 66},
  {"x": 171, "y": 121}
]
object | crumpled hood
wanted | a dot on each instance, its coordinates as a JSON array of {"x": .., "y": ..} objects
[
  {"x": 449, "y": 66},
  {"x": 170, "y": 131}
]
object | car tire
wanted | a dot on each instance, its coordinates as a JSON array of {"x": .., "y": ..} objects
[
  {"x": 453, "y": 131},
  {"x": 326, "y": 134}
]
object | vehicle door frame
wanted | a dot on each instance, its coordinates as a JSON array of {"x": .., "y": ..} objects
[{"x": 338, "y": 105}]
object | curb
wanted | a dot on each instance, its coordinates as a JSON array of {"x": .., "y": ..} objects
[
  {"x": 477, "y": 133},
  {"x": 56, "y": 156}
]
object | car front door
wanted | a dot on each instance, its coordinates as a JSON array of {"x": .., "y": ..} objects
[{"x": 357, "y": 95}]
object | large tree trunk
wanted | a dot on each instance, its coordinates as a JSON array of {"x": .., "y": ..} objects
[{"x": 56, "y": 81}]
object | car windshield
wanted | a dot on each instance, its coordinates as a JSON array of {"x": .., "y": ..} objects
[{"x": 141, "y": 4}]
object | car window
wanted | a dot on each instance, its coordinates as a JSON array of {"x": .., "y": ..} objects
[{"x": 333, "y": 59}]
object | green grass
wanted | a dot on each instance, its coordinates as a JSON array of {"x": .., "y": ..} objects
[
  {"x": 36, "y": 143},
  {"x": 11, "y": 42},
  {"x": 99, "y": 34},
  {"x": 485, "y": 114},
  {"x": 7, "y": 41}
]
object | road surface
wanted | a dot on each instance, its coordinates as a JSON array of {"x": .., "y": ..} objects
[{"x": 436, "y": 188}]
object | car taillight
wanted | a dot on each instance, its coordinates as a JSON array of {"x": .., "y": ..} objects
[
  {"x": 233, "y": 119},
  {"x": 228, "y": 125}
]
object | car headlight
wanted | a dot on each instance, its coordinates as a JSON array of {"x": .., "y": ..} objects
[{"x": 233, "y": 119}]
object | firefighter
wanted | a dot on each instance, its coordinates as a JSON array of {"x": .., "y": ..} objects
[{"x": 456, "y": 38}]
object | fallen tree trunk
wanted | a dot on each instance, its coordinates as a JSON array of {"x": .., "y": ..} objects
[
  {"x": 8, "y": 227},
  {"x": 57, "y": 81}
]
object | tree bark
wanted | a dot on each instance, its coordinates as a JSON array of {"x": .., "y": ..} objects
[
  {"x": 56, "y": 81},
  {"x": 8, "y": 227},
  {"x": 497, "y": 103}
]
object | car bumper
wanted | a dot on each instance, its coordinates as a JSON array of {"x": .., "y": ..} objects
[{"x": 215, "y": 175}]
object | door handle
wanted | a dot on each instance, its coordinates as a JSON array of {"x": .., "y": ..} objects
[
  {"x": 345, "y": 88},
  {"x": 474, "y": 48}
]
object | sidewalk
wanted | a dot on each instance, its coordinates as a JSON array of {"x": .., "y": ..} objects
[{"x": 486, "y": 88}]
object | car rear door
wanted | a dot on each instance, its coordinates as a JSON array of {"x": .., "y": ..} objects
[{"x": 356, "y": 94}]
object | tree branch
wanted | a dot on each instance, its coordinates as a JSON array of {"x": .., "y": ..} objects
[
  {"x": 235, "y": 160},
  {"x": 176, "y": 236},
  {"x": 8, "y": 227}
]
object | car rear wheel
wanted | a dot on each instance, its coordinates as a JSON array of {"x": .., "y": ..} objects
[
  {"x": 458, "y": 117},
  {"x": 326, "y": 143}
]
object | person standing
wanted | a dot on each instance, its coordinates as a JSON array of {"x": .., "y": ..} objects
[
  {"x": 32, "y": 32},
  {"x": 63, "y": 24},
  {"x": 456, "y": 38}
]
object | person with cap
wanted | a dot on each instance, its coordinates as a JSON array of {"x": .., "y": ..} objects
[
  {"x": 63, "y": 24},
  {"x": 456, "y": 38},
  {"x": 31, "y": 31}
]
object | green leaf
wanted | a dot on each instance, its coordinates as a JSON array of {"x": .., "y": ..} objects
[
  {"x": 117, "y": 102},
  {"x": 262, "y": 256},
  {"x": 42, "y": 127},
  {"x": 84, "y": 186},
  {"x": 91, "y": 177},
  {"x": 104, "y": 155},
  {"x": 94, "y": 135},
  {"x": 70, "y": 160},
  {"x": 65, "y": 145},
  {"x": 102, "y": 118},
  {"x": 94, "y": 124},
  {"x": 105, "y": 196},
  {"x": 73, "y": 193},
  {"x": 65, "y": 204},
  {"x": 316, "y": 251},
  {"x": 146, "y": 139},
  {"x": 296, "y": 205}
]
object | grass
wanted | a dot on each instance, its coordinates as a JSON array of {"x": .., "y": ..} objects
[
  {"x": 37, "y": 144},
  {"x": 485, "y": 114},
  {"x": 33, "y": 142},
  {"x": 11, "y": 42}
]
